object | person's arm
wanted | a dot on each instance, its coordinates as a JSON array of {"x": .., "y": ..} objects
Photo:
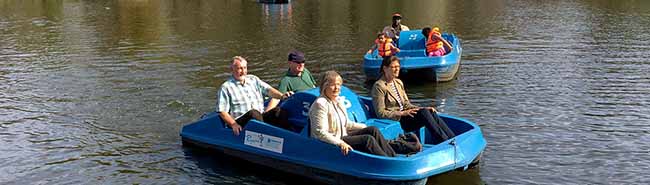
[
  {"x": 394, "y": 48},
  {"x": 271, "y": 92},
  {"x": 444, "y": 42},
  {"x": 319, "y": 117},
  {"x": 230, "y": 122},
  {"x": 276, "y": 96},
  {"x": 351, "y": 125},
  {"x": 379, "y": 102},
  {"x": 282, "y": 87},
  {"x": 447, "y": 44},
  {"x": 272, "y": 104},
  {"x": 374, "y": 46},
  {"x": 223, "y": 107},
  {"x": 274, "y": 93}
]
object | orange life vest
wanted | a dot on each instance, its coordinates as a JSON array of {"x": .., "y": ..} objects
[
  {"x": 384, "y": 49},
  {"x": 433, "y": 45}
]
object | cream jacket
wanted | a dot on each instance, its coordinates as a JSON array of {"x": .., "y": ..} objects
[{"x": 327, "y": 118}]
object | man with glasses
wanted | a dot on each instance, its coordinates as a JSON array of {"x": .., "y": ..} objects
[{"x": 297, "y": 78}]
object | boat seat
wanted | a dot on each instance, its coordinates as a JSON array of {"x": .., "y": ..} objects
[{"x": 411, "y": 40}]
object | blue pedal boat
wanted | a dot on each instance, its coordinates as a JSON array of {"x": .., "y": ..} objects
[
  {"x": 415, "y": 62},
  {"x": 295, "y": 152}
]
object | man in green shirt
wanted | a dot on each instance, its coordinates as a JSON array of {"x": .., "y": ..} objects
[{"x": 298, "y": 78}]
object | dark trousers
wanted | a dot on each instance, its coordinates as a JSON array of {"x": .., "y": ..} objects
[
  {"x": 276, "y": 117},
  {"x": 434, "y": 124},
  {"x": 369, "y": 140}
]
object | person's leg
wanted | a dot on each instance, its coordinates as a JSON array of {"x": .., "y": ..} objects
[
  {"x": 251, "y": 114},
  {"x": 410, "y": 124},
  {"x": 364, "y": 143},
  {"x": 439, "y": 52},
  {"x": 424, "y": 116},
  {"x": 405, "y": 147},
  {"x": 442, "y": 124},
  {"x": 379, "y": 138},
  {"x": 279, "y": 118}
]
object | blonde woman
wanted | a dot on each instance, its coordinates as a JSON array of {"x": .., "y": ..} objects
[{"x": 330, "y": 123}]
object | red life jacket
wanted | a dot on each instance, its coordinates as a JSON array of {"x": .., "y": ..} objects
[
  {"x": 384, "y": 49},
  {"x": 433, "y": 45}
]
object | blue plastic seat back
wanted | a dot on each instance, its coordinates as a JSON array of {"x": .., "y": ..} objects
[
  {"x": 297, "y": 106},
  {"x": 411, "y": 40},
  {"x": 357, "y": 110}
]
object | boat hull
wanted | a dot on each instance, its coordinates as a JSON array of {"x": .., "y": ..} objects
[{"x": 322, "y": 176}]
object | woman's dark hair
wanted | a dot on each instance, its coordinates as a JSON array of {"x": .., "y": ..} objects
[
  {"x": 386, "y": 62},
  {"x": 381, "y": 34},
  {"x": 426, "y": 31}
]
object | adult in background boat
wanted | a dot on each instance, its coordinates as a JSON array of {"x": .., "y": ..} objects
[
  {"x": 297, "y": 78},
  {"x": 330, "y": 123},
  {"x": 435, "y": 43},
  {"x": 390, "y": 102},
  {"x": 395, "y": 28},
  {"x": 241, "y": 98}
]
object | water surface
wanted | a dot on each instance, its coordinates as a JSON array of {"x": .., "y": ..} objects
[{"x": 97, "y": 91}]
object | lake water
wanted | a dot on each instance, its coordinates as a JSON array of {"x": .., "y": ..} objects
[{"x": 97, "y": 91}]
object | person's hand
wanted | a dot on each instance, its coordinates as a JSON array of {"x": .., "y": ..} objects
[
  {"x": 236, "y": 128},
  {"x": 432, "y": 109},
  {"x": 397, "y": 50},
  {"x": 409, "y": 112},
  {"x": 345, "y": 148},
  {"x": 286, "y": 95},
  {"x": 369, "y": 51}
]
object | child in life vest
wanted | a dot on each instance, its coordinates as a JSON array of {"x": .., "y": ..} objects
[
  {"x": 384, "y": 46},
  {"x": 435, "y": 43}
]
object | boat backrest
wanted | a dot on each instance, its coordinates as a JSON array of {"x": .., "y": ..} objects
[
  {"x": 411, "y": 40},
  {"x": 297, "y": 107}
]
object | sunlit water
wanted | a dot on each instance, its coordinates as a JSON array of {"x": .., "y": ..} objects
[{"x": 97, "y": 91}]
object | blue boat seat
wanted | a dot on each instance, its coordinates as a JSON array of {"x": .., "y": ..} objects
[
  {"x": 411, "y": 40},
  {"x": 297, "y": 107}
]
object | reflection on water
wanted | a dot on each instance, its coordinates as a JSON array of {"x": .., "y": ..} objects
[{"x": 97, "y": 91}]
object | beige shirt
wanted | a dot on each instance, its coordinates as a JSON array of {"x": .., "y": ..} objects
[{"x": 329, "y": 121}]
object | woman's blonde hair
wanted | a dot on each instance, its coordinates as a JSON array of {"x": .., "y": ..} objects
[{"x": 327, "y": 77}]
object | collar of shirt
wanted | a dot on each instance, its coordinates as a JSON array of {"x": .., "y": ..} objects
[
  {"x": 291, "y": 74},
  {"x": 238, "y": 82}
]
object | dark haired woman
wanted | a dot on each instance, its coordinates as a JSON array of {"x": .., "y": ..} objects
[{"x": 391, "y": 102}]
